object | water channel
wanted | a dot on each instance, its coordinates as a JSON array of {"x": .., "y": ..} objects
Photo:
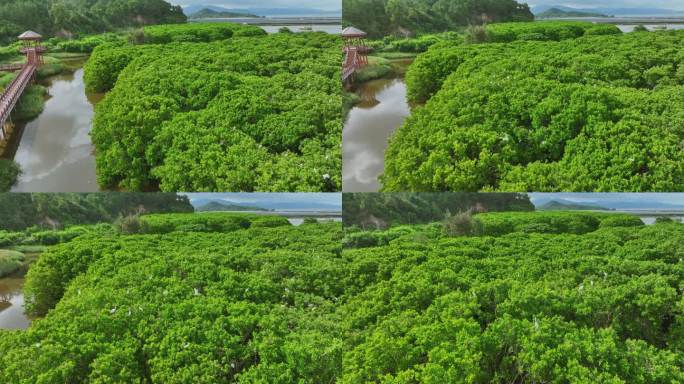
[
  {"x": 369, "y": 126},
  {"x": 54, "y": 151},
  {"x": 12, "y": 303}
]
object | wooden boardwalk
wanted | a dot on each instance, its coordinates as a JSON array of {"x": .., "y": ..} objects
[
  {"x": 354, "y": 59},
  {"x": 9, "y": 99}
]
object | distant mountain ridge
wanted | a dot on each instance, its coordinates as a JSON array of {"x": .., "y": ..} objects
[
  {"x": 563, "y": 205},
  {"x": 559, "y": 13},
  {"x": 640, "y": 11},
  {"x": 207, "y": 13},
  {"x": 618, "y": 204},
  {"x": 218, "y": 206},
  {"x": 192, "y": 9},
  {"x": 270, "y": 205}
]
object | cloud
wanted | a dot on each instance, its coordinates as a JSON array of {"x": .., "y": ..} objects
[
  {"x": 331, "y": 5},
  {"x": 669, "y": 4}
]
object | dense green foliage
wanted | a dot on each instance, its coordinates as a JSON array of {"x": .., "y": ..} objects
[
  {"x": 83, "y": 45},
  {"x": 384, "y": 17},
  {"x": 31, "y": 103},
  {"x": 413, "y": 44},
  {"x": 105, "y": 65},
  {"x": 597, "y": 113},
  {"x": 566, "y": 297},
  {"x": 247, "y": 113},
  {"x": 39, "y": 236},
  {"x": 378, "y": 210},
  {"x": 604, "y": 306},
  {"x": 254, "y": 305},
  {"x": 495, "y": 33},
  {"x": 21, "y": 211},
  {"x": 68, "y": 17},
  {"x": 207, "y": 222},
  {"x": 547, "y": 30},
  {"x": 499, "y": 224},
  {"x": 9, "y": 173},
  {"x": 465, "y": 223},
  {"x": 198, "y": 32}
]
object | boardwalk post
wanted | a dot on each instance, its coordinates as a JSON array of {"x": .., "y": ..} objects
[
  {"x": 34, "y": 57},
  {"x": 356, "y": 52}
]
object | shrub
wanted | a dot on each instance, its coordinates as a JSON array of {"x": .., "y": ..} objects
[
  {"x": 261, "y": 112},
  {"x": 179, "y": 294},
  {"x": 559, "y": 307},
  {"x": 129, "y": 224},
  {"x": 10, "y": 238},
  {"x": 620, "y": 220},
  {"x": 515, "y": 117},
  {"x": 9, "y": 173},
  {"x": 360, "y": 240},
  {"x": 310, "y": 220},
  {"x": 462, "y": 224},
  {"x": 476, "y": 34},
  {"x": 10, "y": 262}
]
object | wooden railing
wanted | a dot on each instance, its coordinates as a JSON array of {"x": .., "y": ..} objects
[
  {"x": 8, "y": 100},
  {"x": 10, "y": 67},
  {"x": 351, "y": 63}
]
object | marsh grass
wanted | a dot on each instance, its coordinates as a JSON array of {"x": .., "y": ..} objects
[{"x": 10, "y": 262}]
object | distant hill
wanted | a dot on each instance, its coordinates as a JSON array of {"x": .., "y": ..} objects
[
  {"x": 218, "y": 206},
  {"x": 562, "y": 205},
  {"x": 641, "y": 11},
  {"x": 191, "y": 10},
  {"x": 559, "y": 13},
  {"x": 272, "y": 205},
  {"x": 207, "y": 13}
]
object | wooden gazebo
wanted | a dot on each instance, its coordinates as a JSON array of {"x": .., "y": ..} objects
[
  {"x": 354, "y": 37},
  {"x": 32, "y": 47}
]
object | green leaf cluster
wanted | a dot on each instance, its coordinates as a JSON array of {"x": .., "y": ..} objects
[
  {"x": 9, "y": 173},
  {"x": 382, "y": 210},
  {"x": 546, "y": 31},
  {"x": 243, "y": 114},
  {"x": 562, "y": 297},
  {"x": 386, "y": 17},
  {"x": 253, "y": 305},
  {"x": 55, "y": 211},
  {"x": 604, "y": 306},
  {"x": 69, "y": 17},
  {"x": 597, "y": 113},
  {"x": 207, "y": 222}
]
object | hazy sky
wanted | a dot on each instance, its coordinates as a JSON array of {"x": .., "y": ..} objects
[
  {"x": 669, "y": 198},
  {"x": 669, "y": 4},
  {"x": 256, "y": 198},
  {"x": 331, "y": 5}
]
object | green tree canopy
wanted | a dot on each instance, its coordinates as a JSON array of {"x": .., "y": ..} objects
[{"x": 382, "y": 17}]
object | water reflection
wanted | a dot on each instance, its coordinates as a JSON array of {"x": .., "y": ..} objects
[
  {"x": 382, "y": 110},
  {"x": 332, "y": 29},
  {"x": 651, "y": 27},
  {"x": 12, "y": 304},
  {"x": 650, "y": 220},
  {"x": 297, "y": 221},
  {"x": 55, "y": 152}
]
